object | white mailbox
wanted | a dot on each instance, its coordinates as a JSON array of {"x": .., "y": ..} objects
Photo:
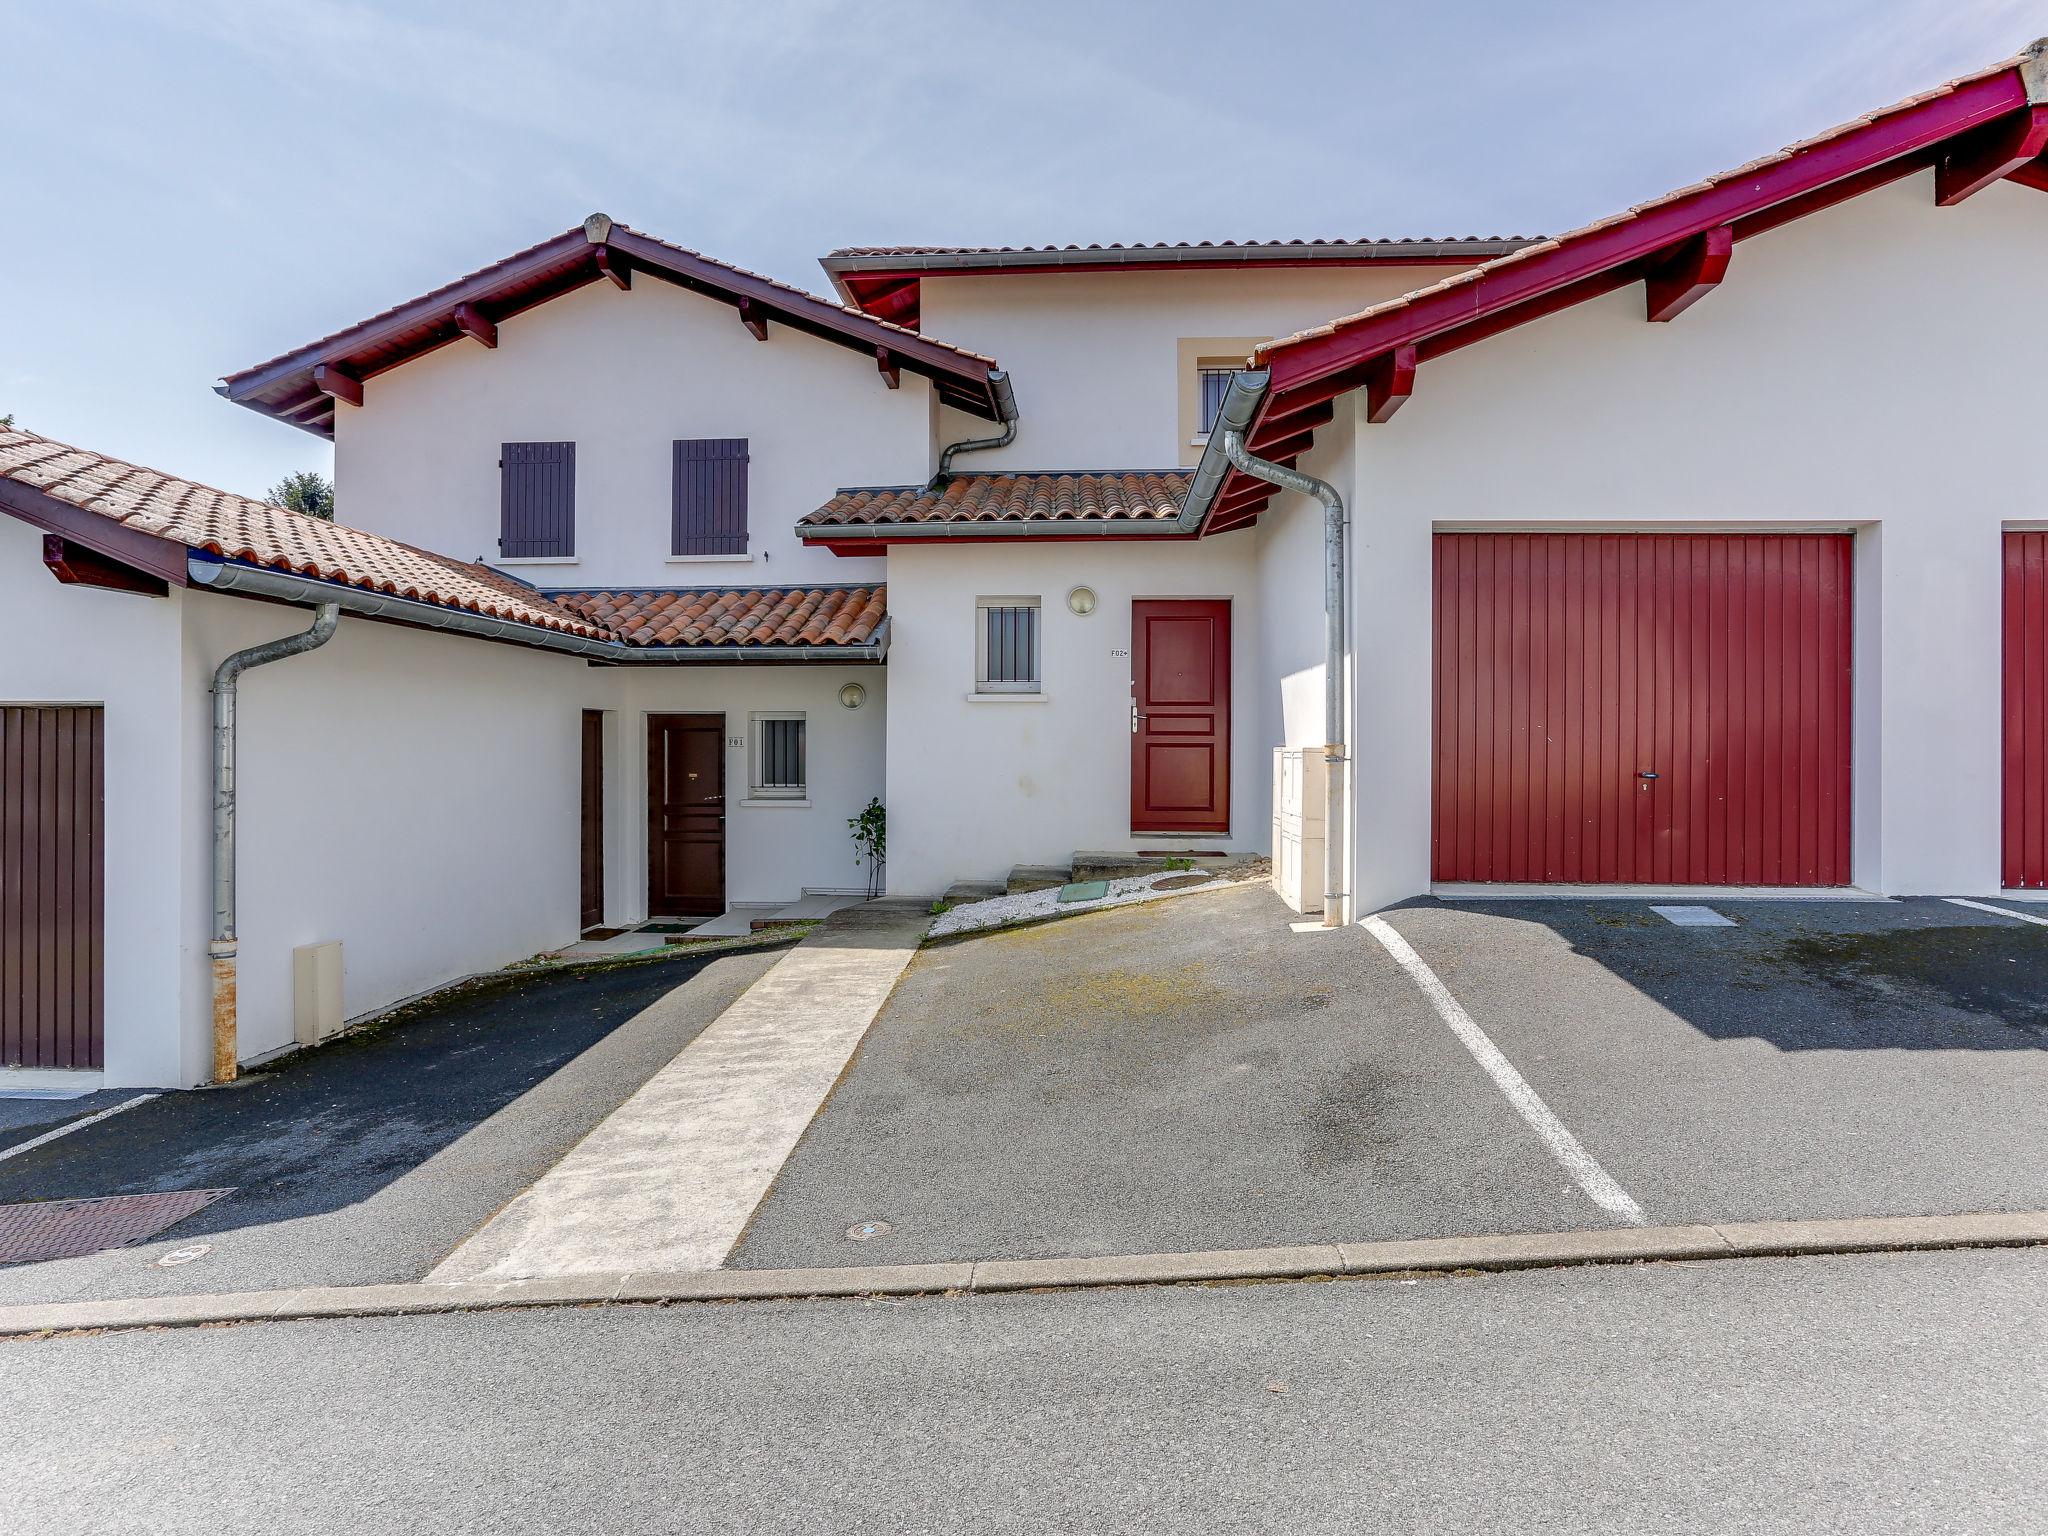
[{"x": 1298, "y": 826}]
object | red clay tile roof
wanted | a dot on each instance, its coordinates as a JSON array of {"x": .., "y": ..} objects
[
  {"x": 237, "y": 528},
  {"x": 182, "y": 512},
  {"x": 781, "y": 616},
  {"x": 283, "y": 386},
  {"x": 1036, "y": 497}
]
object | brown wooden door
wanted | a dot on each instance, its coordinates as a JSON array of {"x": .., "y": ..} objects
[
  {"x": 685, "y": 815},
  {"x": 593, "y": 819},
  {"x": 52, "y": 887},
  {"x": 1180, "y": 730}
]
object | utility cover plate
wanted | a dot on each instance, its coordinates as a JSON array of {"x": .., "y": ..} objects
[
  {"x": 64, "y": 1229},
  {"x": 1694, "y": 917},
  {"x": 1084, "y": 890}
]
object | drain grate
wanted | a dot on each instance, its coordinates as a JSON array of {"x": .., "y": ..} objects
[{"x": 64, "y": 1229}]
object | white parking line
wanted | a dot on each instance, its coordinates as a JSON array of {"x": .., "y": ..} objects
[
  {"x": 1985, "y": 906},
  {"x": 1599, "y": 1186},
  {"x": 76, "y": 1125}
]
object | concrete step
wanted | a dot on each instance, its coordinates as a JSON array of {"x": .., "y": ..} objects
[
  {"x": 1100, "y": 865},
  {"x": 1037, "y": 877},
  {"x": 960, "y": 892}
]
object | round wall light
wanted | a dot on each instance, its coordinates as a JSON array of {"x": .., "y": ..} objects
[
  {"x": 1082, "y": 601},
  {"x": 852, "y": 695}
]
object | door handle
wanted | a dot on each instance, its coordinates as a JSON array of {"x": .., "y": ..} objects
[{"x": 1646, "y": 773}]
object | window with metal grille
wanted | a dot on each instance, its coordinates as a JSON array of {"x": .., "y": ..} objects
[
  {"x": 1215, "y": 385},
  {"x": 537, "y": 501},
  {"x": 709, "y": 515},
  {"x": 1006, "y": 645},
  {"x": 779, "y": 757}
]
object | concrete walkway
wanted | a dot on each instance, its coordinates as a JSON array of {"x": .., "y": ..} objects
[{"x": 669, "y": 1181}]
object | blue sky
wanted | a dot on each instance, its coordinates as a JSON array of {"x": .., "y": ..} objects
[{"x": 194, "y": 187}]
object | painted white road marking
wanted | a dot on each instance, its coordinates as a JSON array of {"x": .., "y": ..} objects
[
  {"x": 1599, "y": 1186},
  {"x": 76, "y": 1125},
  {"x": 1985, "y": 906}
]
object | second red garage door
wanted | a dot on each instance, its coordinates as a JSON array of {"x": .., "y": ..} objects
[{"x": 1643, "y": 708}]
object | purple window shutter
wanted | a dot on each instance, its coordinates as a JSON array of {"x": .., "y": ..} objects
[
  {"x": 710, "y": 515},
  {"x": 537, "y": 501}
]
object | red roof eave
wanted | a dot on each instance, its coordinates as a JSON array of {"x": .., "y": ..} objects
[
  {"x": 1645, "y": 233},
  {"x": 1360, "y": 350}
]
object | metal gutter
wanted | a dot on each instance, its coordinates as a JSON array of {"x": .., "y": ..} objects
[
  {"x": 1321, "y": 252},
  {"x": 1240, "y": 404},
  {"x": 215, "y": 574}
]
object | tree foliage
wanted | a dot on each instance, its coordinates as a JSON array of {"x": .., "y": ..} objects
[{"x": 307, "y": 491}]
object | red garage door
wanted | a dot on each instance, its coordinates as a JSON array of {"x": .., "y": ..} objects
[
  {"x": 2025, "y": 862},
  {"x": 1646, "y": 708}
]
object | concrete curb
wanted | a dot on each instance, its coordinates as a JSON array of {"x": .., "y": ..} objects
[{"x": 1439, "y": 1255}]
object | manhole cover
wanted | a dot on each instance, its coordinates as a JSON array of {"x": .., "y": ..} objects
[
  {"x": 861, "y": 1231},
  {"x": 64, "y": 1229}
]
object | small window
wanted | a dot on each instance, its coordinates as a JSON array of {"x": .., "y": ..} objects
[
  {"x": 1215, "y": 385},
  {"x": 1006, "y": 645},
  {"x": 779, "y": 757}
]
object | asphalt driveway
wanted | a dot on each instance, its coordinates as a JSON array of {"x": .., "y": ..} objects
[
  {"x": 367, "y": 1160},
  {"x": 1194, "y": 1074}
]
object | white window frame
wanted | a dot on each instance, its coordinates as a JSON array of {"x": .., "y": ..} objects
[
  {"x": 757, "y": 740},
  {"x": 983, "y": 683}
]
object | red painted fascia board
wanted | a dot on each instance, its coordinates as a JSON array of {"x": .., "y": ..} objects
[
  {"x": 489, "y": 288},
  {"x": 477, "y": 289},
  {"x": 104, "y": 535},
  {"x": 1517, "y": 281}
]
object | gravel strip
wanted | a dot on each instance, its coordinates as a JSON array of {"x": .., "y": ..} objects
[{"x": 1034, "y": 906}]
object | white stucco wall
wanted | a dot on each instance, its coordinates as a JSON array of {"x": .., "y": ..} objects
[
  {"x": 775, "y": 851},
  {"x": 1095, "y": 356},
  {"x": 623, "y": 375},
  {"x": 1866, "y": 367},
  {"x": 79, "y": 645},
  {"x": 977, "y": 786},
  {"x": 412, "y": 794}
]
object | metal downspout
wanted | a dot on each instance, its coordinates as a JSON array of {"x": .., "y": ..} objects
[
  {"x": 1006, "y": 412},
  {"x": 222, "y": 951},
  {"x": 1336, "y": 900}
]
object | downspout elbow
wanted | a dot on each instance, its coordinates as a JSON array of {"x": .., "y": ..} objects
[{"x": 1006, "y": 413}]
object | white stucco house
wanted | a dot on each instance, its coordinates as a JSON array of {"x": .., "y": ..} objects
[{"x": 1696, "y": 547}]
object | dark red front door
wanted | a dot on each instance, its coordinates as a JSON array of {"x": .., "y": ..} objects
[
  {"x": 1643, "y": 708},
  {"x": 685, "y": 815},
  {"x": 1180, "y": 730}
]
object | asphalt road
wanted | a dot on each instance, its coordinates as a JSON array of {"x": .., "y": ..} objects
[
  {"x": 1816, "y": 1059},
  {"x": 1876, "y": 1394},
  {"x": 1193, "y": 1074},
  {"x": 368, "y": 1160}
]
